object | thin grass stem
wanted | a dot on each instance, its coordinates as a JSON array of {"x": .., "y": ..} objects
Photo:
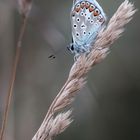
[{"x": 13, "y": 77}]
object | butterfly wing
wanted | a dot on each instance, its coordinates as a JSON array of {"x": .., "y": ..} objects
[{"x": 87, "y": 18}]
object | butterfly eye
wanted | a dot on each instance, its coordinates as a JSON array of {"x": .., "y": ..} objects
[
  {"x": 77, "y": 8},
  {"x": 82, "y": 5},
  {"x": 96, "y": 12},
  {"x": 87, "y": 5},
  {"x": 72, "y": 48},
  {"x": 91, "y": 8}
]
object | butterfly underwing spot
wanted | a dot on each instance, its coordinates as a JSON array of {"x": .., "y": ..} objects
[
  {"x": 82, "y": 4},
  {"x": 82, "y": 14},
  {"x": 91, "y": 8},
  {"x": 84, "y": 33},
  {"x": 73, "y": 15},
  {"x": 77, "y": 8},
  {"x": 91, "y": 21},
  {"x": 74, "y": 25},
  {"x": 89, "y": 18},
  {"x": 96, "y": 12},
  {"x": 95, "y": 24},
  {"x": 83, "y": 26},
  {"x": 77, "y": 34},
  {"x": 100, "y": 18},
  {"x": 78, "y": 19},
  {"x": 87, "y": 5}
]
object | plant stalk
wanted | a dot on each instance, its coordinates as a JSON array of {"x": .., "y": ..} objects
[{"x": 13, "y": 77}]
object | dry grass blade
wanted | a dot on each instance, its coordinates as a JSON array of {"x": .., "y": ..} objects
[
  {"x": 24, "y": 6},
  {"x": 12, "y": 80},
  {"x": 81, "y": 67}
]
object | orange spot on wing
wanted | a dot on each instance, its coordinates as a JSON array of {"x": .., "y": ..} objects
[
  {"x": 87, "y": 5},
  {"x": 91, "y": 8},
  {"x": 77, "y": 9},
  {"x": 82, "y": 5},
  {"x": 95, "y": 13}
]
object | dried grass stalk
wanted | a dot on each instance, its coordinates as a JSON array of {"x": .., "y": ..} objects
[
  {"x": 24, "y": 9},
  {"x": 76, "y": 80}
]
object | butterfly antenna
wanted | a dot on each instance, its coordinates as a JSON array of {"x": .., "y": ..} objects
[{"x": 52, "y": 56}]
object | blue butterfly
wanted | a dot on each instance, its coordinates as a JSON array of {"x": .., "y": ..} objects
[{"x": 87, "y": 19}]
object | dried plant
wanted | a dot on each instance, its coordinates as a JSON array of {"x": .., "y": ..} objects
[
  {"x": 51, "y": 126},
  {"x": 24, "y": 9}
]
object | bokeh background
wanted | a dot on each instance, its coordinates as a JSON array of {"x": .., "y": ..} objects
[{"x": 108, "y": 108}]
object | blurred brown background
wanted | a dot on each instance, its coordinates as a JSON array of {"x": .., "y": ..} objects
[{"x": 108, "y": 108}]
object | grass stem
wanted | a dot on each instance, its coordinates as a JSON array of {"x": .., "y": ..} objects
[{"x": 13, "y": 77}]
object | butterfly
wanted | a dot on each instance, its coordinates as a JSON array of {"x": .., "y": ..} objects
[{"x": 87, "y": 19}]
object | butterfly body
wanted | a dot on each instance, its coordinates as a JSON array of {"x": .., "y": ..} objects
[{"x": 87, "y": 19}]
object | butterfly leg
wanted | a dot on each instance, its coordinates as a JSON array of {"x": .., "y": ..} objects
[
  {"x": 87, "y": 48},
  {"x": 76, "y": 56}
]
